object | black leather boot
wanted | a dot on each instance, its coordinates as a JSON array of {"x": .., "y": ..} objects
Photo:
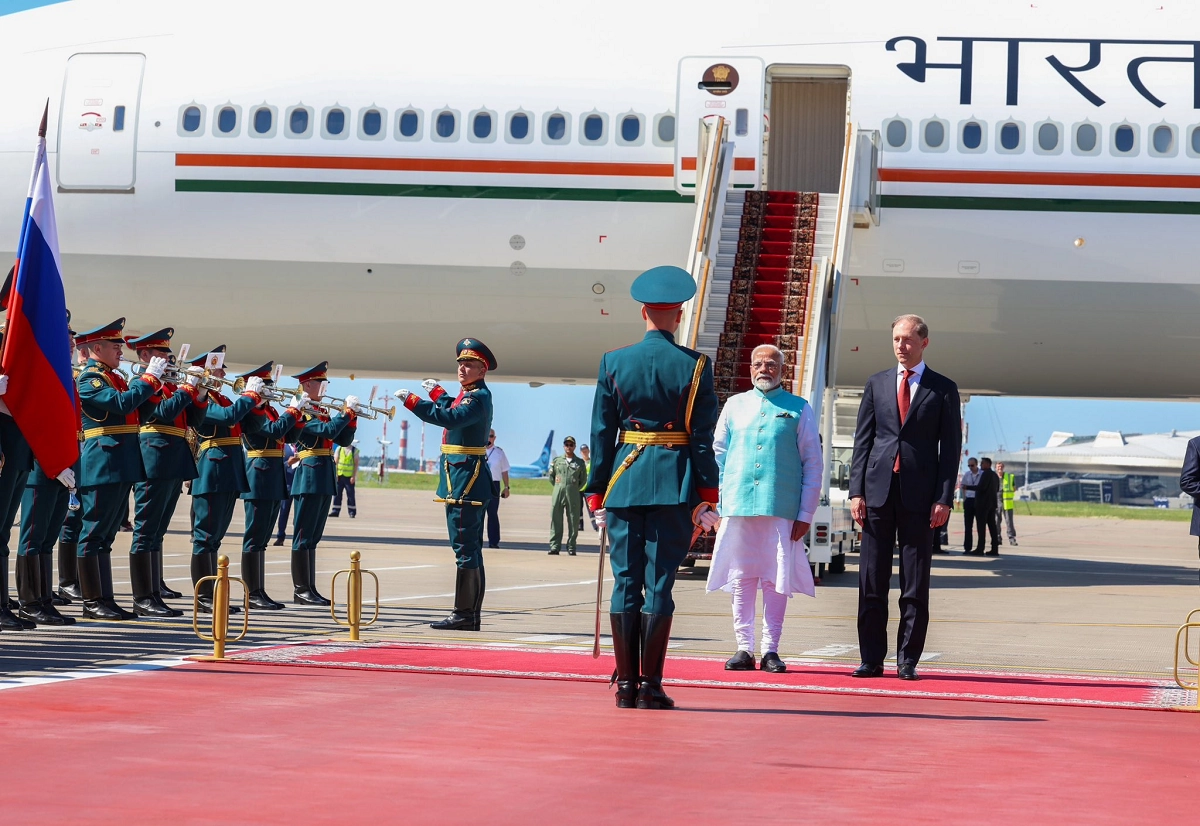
[
  {"x": 479, "y": 598},
  {"x": 164, "y": 591},
  {"x": 627, "y": 641},
  {"x": 50, "y": 598},
  {"x": 312, "y": 577},
  {"x": 468, "y": 592},
  {"x": 106, "y": 587},
  {"x": 203, "y": 565},
  {"x": 68, "y": 575},
  {"x": 8, "y": 620},
  {"x": 255, "y": 574},
  {"x": 656, "y": 633},
  {"x": 303, "y": 577},
  {"x": 91, "y": 586},
  {"x": 29, "y": 588},
  {"x": 144, "y": 578}
]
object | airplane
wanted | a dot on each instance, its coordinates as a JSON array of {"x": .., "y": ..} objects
[
  {"x": 539, "y": 468},
  {"x": 268, "y": 174}
]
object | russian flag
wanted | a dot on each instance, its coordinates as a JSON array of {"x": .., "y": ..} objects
[{"x": 37, "y": 350}]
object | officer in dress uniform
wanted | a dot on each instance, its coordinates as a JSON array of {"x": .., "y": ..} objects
[
  {"x": 653, "y": 477},
  {"x": 112, "y": 459},
  {"x": 264, "y": 434},
  {"x": 44, "y": 508},
  {"x": 465, "y": 485},
  {"x": 14, "y": 470},
  {"x": 314, "y": 483},
  {"x": 68, "y": 538},
  {"x": 167, "y": 459},
  {"x": 221, "y": 473}
]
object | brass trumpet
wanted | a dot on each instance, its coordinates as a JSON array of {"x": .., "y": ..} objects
[{"x": 333, "y": 404}]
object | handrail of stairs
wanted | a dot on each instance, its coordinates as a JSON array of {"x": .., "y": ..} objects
[{"x": 714, "y": 167}]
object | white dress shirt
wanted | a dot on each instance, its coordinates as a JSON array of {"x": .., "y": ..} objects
[
  {"x": 913, "y": 381},
  {"x": 497, "y": 463}
]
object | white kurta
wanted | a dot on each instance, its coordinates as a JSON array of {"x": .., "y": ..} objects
[{"x": 761, "y": 547}]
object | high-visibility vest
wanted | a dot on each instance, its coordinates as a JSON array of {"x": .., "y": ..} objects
[
  {"x": 346, "y": 461},
  {"x": 1007, "y": 488}
]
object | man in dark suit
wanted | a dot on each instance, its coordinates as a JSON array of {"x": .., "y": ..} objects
[
  {"x": 1189, "y": 480},
  {"x": 906, "y": 452},
  {"x": 986, "y": 496}
]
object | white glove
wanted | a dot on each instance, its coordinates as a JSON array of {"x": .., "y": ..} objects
[
  {"x": 601, "y": 517},
  {"x": 67, "y": 477},
  {"x": 352, "y": 403},
  {"x": 195, "y": 375},
  {"x": 402, "y": 395},
  {"x": 708, "y": 520},
  {"x": 299, "y": 402},
  {"x": 254, "y": 385},
  {"x": 428, "y": 385},
  {"x": 3, "y": 385},
  {"x": 156, "y": 367}
]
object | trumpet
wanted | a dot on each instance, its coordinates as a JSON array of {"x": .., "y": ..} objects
[
  {"x": 174, "y": 374},
  {"x": 333, "y": 404}
]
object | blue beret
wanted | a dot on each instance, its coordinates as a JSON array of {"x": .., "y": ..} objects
[{"x": 663, "y": 287}]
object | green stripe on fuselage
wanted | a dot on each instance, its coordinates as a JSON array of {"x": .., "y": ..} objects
[
  {"x": 515, "y": 193},
  {"x": 1039, "y": 204}
]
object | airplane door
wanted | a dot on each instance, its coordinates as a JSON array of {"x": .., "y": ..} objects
[
  {"x": 727, "y": 86},
  {"x": 97, "y": 122}
]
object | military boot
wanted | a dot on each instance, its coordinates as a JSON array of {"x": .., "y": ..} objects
[
  {"x": 68, "y": 575},
  {"x": 92, "y": 588},
  {"x": 50, "y": 597},
  {"x": 468, "y": 593},
  {"x": 304, "y": 592},
  {"x": 29, "y": 588},
  {"x": 656, "y": 633},
  {"x": 164, "y": 591},
  {"x": 8, "y": 620},
  {"x": 627, "y": 639},
  {"x": 144, "y": 578},
  {"x": 106, "y": 587},
  {"x": 254, "y": 573}
]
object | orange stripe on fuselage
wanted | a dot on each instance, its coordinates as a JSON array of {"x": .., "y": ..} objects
[
  {"x": 630, "y": 170},
  {"x": 967, "y": 176},
  {"x": 739, "y": 164}
]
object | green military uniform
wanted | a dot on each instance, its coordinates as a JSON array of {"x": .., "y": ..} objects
[
  {"x": 652, "y": 464},
  {"x": 567, "y": 475},
  {"x": 110, "y": 464},
  {"x": 313, "y": 487},
  {"x": 465, "y": 484},
  {"x": 44, "y": 508},
  {"x": 17, "y": 463},
  {"x": 264, "y": 433}
]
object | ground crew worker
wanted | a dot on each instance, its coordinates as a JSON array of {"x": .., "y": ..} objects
[
  {"x": 654, "y": 476},
  {"x": 568, "y": 473},
  {"x": 346, "y": 462},
  {"x": 314, "y": 483},
  {"x": 112, "y": 459},
  {"x": 220, "y": 474},
  {"x": 263, "y": 435},
  {"x": 168, "y": 462},
  {"x": 1008, "y": 490},
  {"x": 465, "y": 484}
]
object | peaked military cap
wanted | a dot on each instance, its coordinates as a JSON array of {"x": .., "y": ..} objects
[
  {"x": 160, "y": 340},
  {"x": 473, "y": 348},
  {"x": 105, "y": 332},
  {"x": 199, "y": 360},
  {"x": 70, "y": 331},
  {"x": 263, "y": 372},
  {"x": 663, "y": 288},
  {"x": 318, "y": 372}
]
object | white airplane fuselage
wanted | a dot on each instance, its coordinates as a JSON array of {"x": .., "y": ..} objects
[{"x": 1062, "y": 271}]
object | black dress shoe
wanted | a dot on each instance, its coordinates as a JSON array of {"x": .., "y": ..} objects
[
  {"x": 772, "y": 663},
  {"x": 552, "y": 552},
  {"x": 993, "y": 552},
  {"x": 278, "y": 541},
  {"x": 741, "y": 661},
  {"x": 907, "y": 671},
  {"x": 868, "y": 670}
]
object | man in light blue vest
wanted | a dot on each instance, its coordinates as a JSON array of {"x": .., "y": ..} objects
[{"x": 769, "y": 452}]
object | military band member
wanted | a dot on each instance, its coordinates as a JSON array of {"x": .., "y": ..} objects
[
  {"x": 264, "y": 434},
  {"x": 465, "y": 485},
  {"x": 167, "y": 459},
  {"x": 314, "y": 483},
  {"x": 654, "y": 476},
  {"x": 221, "y": 474},
  {"x": 111, "y": 461}
]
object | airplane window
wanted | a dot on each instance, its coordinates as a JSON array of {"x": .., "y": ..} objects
[
  {"x": 1085, "y": 138},
  {"x": 191, "y": 119},
  {"x": 262, "y": 120},
  {"x": 1010, "y": 136},
  {"x": 409, "y": 123},
  {"x": 335, "y": 122},
  {"x": 741, "y": 122},
  {"x": 972, "y": 135},
  {"x": 556, "y": 127},
  {"x": 482, "y": 127},
  {"x": 593, "y": 127},
  {"x": 227, "y": 119},
  {"x": 1164, "y": 138},
  {"x": 518, "y": 127},
  {"x": 935, "y": 134},
  {"x": 298, "y": 123},
  {"x": 1196, "y": 140},
  {"x": 119, "y": 119},
  {"x": 631, "y": 128},
  {"x": 897, "y": 134},
  {"x": 445, "y": 125},
  {"x": 1048, "y": 137},
  {"x": 1123, "y": 139},
  {"x": 372, "y": 122},
  {"x": 666, "y": 128}
]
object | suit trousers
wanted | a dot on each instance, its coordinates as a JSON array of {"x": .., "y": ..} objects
[
  {"x": 261, "y": 516},
  {"x": 969, "y": 524},
  {"x": 493, "y": 517},
  {"x": 985, "y": 517},
  {"x": 647, "y": 543},
  {"x": 883, "y": 529}
]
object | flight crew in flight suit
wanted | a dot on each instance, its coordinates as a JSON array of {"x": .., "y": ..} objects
[
  {"x": 167, "y": 459},
  {"x": 264, "y": 433},
  {"x": 112, "y": 459},
  {"x": 654, "y": 476},
  {"x": 314, "y": 483},
  {"x": 465, "y": 485},
  {"x": 68, "y": 538},
  {"x": 220, "y": 474}
]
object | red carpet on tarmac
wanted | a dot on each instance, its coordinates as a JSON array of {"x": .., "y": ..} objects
[{"x": 549, "y": 664}]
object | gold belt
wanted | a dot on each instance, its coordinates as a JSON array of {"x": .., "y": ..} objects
[
  {"x": 165, "y": 429},
  {"x": 314, "y": 451},
  {"x": 461, "y": 450},
  {"x": 269, "y": 453},
  {"x": 111, "y": 430},
  {"x": 224, "y": 441},
  {"x": 653, "y": 437}
]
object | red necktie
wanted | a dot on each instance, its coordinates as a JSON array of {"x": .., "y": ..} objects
[{"x": 902, "y": 399}]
